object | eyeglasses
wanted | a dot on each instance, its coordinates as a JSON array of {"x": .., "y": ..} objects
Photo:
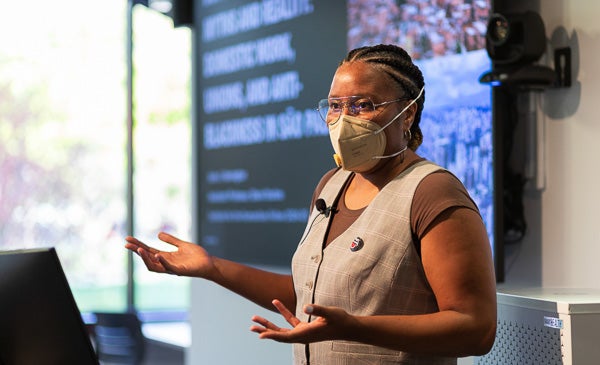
[{"x": 330, "y": 109}]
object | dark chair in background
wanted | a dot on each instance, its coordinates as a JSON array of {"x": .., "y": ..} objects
[{"x": 118, "y": 338}]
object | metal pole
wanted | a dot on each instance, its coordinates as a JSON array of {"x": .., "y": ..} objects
[{"x": 130, "y": 161}]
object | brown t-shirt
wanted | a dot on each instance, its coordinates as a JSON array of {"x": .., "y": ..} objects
[{"x": 437, "y": 192}]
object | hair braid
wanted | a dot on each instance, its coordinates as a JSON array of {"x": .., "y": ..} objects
[{"x": 398, "y": 64}]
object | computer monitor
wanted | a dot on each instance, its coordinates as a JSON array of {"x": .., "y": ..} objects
[{"x": 40, "y": 322}]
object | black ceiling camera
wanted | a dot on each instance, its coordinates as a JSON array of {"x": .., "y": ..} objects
[{"x": 514, "y": 42}]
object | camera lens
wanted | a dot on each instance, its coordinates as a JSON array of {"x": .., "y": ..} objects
[{"x": 498, "y": 29}]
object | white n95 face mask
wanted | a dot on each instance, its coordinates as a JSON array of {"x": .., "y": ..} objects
[
  {"x": 355, "y": 142},
  {"x": 359, "y": 143}
]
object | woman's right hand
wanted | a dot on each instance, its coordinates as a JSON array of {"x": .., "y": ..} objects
[{"x": 188, "y": 260}]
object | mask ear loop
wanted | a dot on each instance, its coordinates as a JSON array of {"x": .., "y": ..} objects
[
  {"x": 401, "y": 112},
  {"x": 391, "y": 121}
]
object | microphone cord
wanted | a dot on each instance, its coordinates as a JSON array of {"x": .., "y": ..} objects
[{"x": 309, "y": 228}]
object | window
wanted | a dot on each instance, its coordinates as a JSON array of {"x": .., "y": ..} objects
[
  {"x": 162, "y": 140},
  {"x": 63, "y": 136}
]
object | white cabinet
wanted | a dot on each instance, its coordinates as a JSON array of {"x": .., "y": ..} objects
[{"x": 546, "y": 326}]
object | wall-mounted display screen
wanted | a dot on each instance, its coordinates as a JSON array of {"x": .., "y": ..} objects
[
  {"x": 447, "y": 41},
  {"x": 261, "y": 68},
  {"x": 261, "y": 147}
]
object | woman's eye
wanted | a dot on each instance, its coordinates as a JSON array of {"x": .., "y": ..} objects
[{"x": 364, "y": 106}]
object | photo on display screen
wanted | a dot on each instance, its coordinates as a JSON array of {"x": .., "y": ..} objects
[
  {"x": 263, "y": 148},
  {"x": 446, "y": 39}
]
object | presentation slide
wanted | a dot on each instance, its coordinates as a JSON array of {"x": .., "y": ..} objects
[
  {"x": 261, "y": 68},
  {"x": 262, "y": 147}
]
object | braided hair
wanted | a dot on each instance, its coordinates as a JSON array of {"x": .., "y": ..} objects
[{"x": 397, "y": 64}]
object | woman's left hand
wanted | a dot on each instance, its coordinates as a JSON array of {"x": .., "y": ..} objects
[{"x": 329, "y": 323}]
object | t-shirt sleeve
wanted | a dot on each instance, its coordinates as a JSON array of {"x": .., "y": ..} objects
[{"x": 437, "y": 192}]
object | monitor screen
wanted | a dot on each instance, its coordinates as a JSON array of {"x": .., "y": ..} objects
[
  {"x": 40, "y": 322},
  {"x": 260, "y": 145},
  {"x": 446, "y": 40}
]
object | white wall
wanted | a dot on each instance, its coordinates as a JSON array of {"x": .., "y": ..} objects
[
  {"x": 220, "y": 324},
  {"x": 562, "y": 246}
]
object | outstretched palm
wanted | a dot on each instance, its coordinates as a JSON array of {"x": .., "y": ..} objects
[{"x": 189, "y": 259}]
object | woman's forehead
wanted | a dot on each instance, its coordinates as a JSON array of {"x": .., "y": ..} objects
[{"x": 360, "y": 78}]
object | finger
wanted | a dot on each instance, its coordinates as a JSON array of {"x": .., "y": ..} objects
[
  {"x": 319, "y": 311},
  {"x": 151, "y": 261},
  {"x": 132, "y": 241},
  {"x": 265, "y": 323},
  {"x": 258, "y": 329},
  {"x": 286, "y": 313},
  {"x": 169, "y": 268},
  {"x": 170, "y": 239},
  {"x": 132, "y": 247},
  {"x": 314, "y": 310}
]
